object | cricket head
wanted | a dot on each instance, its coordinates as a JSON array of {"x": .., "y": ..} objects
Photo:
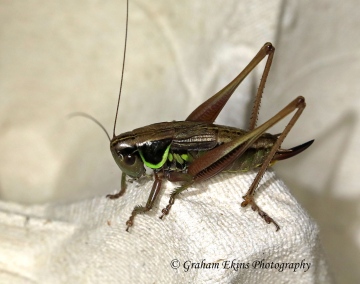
[{"x": 127, "y": 157}]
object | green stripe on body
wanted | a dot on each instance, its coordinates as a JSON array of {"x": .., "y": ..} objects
[{"x": 158, "y": 165}]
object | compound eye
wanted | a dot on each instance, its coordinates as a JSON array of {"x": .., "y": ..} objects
[{"x": 129, "y": 159}]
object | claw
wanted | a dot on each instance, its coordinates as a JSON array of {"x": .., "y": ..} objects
[
  {"x": 165, "y": 211},
  {"x": 113, "y": 196},
  {"x": 129, "y": 224}
]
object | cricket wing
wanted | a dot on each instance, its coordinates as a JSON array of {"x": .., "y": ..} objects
[{"x": 195, "y": 137}]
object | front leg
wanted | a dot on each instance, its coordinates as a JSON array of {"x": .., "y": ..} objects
[
  {"x": 150, "y": 202},
  {"x": 122, "y": 188}
]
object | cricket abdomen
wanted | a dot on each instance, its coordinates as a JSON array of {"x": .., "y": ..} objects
[
  {"x": 254, "y": 156},
  {"x": 251, "y": 159}
]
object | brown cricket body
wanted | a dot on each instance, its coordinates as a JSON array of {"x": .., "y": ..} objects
[
  {"x": 194, "y": 138},
  {"x": 196, "y": 149}
]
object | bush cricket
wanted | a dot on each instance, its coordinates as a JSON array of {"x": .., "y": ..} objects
[{"x": 196, "y": 149}]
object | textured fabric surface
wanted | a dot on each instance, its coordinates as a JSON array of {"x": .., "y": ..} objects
[{"x": 86, "y": 242}]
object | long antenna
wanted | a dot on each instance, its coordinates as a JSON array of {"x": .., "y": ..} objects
[
  {"x": 83, "y": 114},
  {"x": 123, "y": 65}
]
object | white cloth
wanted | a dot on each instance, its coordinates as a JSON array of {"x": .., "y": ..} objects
[{"x": 86, "y": 241}]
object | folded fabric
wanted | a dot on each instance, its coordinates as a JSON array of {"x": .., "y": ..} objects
[{"x": 206, "y": 238}]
